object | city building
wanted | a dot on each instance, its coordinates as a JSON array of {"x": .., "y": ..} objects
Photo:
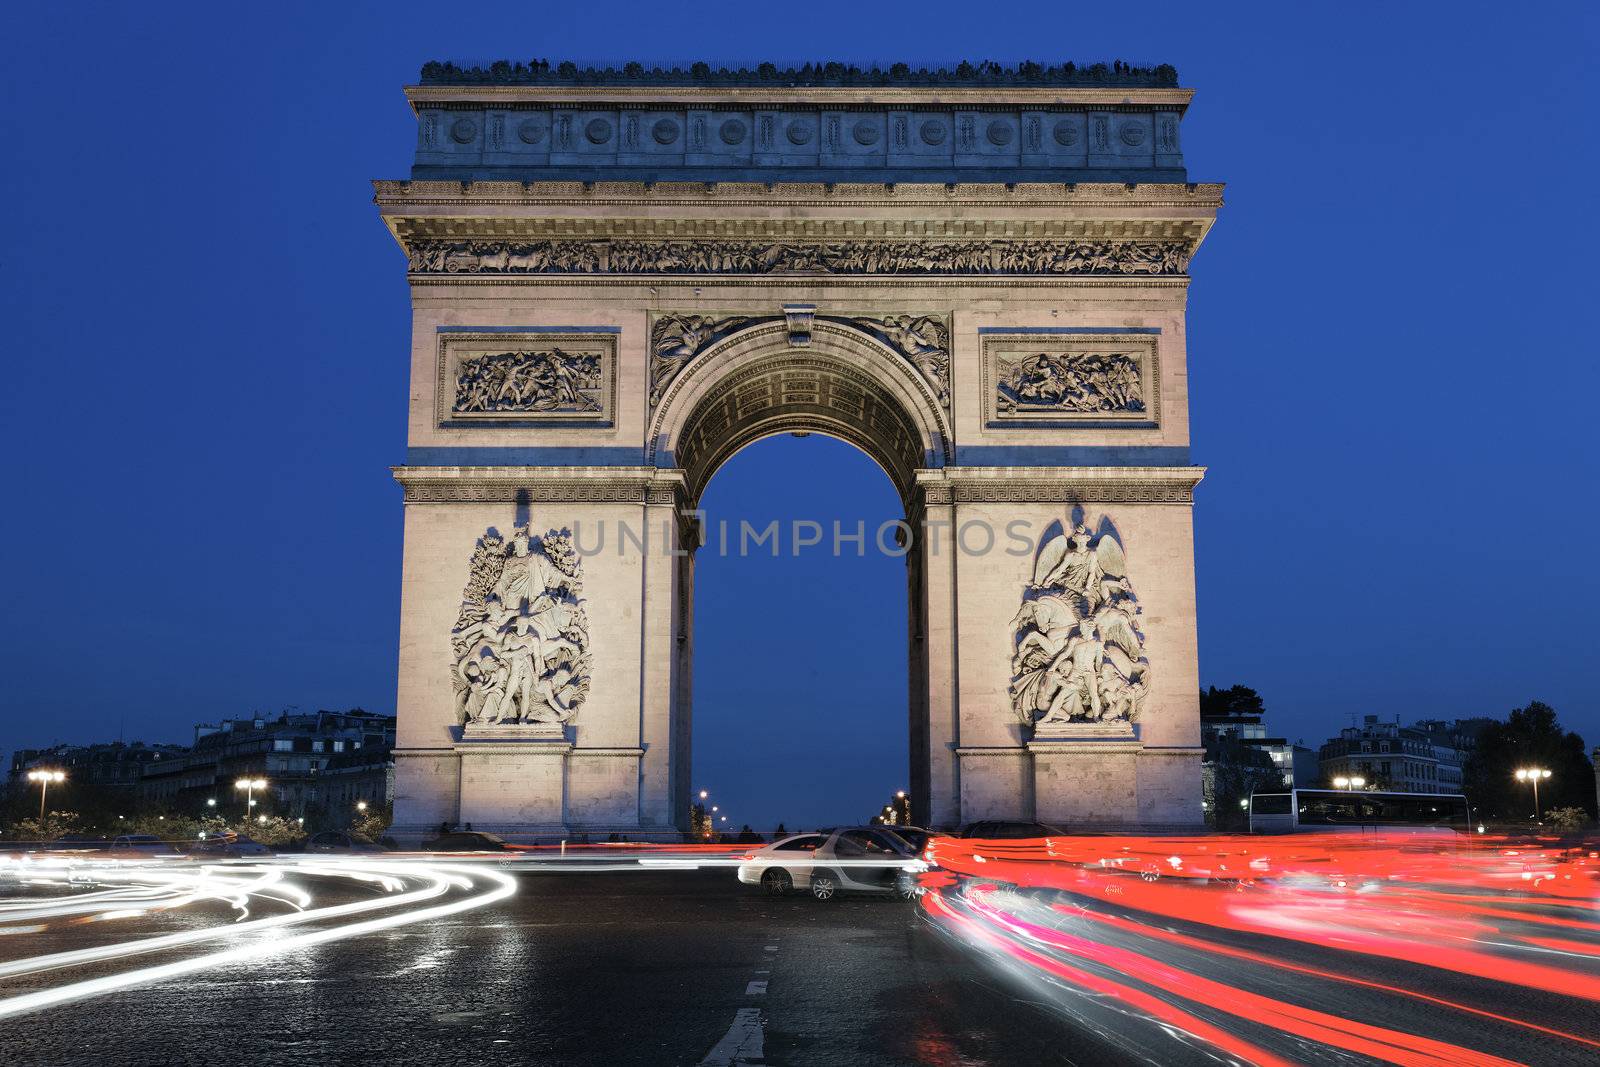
[
  {"x": 317, "y": 762},
  {"x": 112, "y": 765},
  {"x": 1425, "y": 758},
  {"x": 1249, "y": 729}
]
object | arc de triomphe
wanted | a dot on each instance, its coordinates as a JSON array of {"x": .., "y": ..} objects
[{"x": 619, "y": 279}]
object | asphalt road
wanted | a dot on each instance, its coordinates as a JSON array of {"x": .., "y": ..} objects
[
  {"x": 665, "y": 967},
  {"x": 680, "y": 967}
]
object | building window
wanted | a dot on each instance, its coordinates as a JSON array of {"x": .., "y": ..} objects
[{"x": 283, "y": 744}]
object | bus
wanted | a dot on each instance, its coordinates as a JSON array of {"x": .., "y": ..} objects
[{"x": 1338, "y": 810}]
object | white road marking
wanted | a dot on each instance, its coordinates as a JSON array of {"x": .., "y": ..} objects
[
  {"x": 742, "y": 1044},
  {"x": 757, "y": 987},
  {"x": 772, "y": 948}
]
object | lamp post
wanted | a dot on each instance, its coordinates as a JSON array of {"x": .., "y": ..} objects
[
  {"x": 1533, "y": 775},
  {"x": 250, "y": 785},
  {"x": 44, "y": 778},
  {"x": 1348, "y": 784}
]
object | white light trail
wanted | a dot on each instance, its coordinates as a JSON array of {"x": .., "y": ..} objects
[{"x": 253, "y": 939}]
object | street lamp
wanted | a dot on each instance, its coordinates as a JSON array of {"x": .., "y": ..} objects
[
  {"x": 44, "y": 778},
  {"x": 1533, "y": 775},
  {"x": 211, "y": 802},
  {"x": 250, "y": 785},
  {"x": 1348, "y": 784},
  {"x": 704, "y": 794},
  {"x": 361, "y": 805}
]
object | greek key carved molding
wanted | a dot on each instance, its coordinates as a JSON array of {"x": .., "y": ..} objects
[
  {"x": 1065, "y": 258},
  {"x": 433, "y": 485}
]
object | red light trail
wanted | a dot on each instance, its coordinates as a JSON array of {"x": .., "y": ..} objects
[{"x": 1209, "y": 940}]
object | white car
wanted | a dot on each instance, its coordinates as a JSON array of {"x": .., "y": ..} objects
[{"x": 862, "y": 859}]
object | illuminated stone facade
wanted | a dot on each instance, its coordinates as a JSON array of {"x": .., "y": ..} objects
[{"x": 618, "y": 283}]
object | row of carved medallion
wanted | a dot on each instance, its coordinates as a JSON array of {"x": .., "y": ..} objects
[
  {"x": 979, "y": 257},
  {"x": 570, "y": 377}
]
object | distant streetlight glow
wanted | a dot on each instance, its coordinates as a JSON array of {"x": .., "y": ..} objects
[
  {"x": 1342, "y": 782},
  {"x": 44, "y": 777},
  {"x": 1533, "y": 776},
  {"x": 211, "y": 802},
  {"x": 361, "y": 805}
]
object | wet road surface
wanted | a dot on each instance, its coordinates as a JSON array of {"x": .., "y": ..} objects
[{"x": 677, "y": 967}]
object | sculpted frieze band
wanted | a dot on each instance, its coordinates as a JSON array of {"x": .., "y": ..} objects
[{"x": 1072, "y": 257}]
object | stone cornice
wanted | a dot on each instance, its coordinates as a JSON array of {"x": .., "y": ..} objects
[
  {"x": 1066, "y": 485},
  {"x": 611, "y": 485},
  {"x": 543, "y": 227},
  {"x": 816, "y": 96},
  {"x": 390, "y": 195}
]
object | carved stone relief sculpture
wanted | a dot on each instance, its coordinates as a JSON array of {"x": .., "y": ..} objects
[
  {"x": 1073, "y": 382},
  {"x": 524, "y": 381},
  {"x": 1078, "y": 651},
  {"x": 526, "y": 378},
  {"x": 1088, "y": 376},
  {"x": 923, "y": 340},
  {"x": 520, "y": 645},
  {"x": 676, "y": 339},
  {"x": 430, "y": 256}
]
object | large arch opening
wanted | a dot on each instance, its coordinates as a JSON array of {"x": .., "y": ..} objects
[
  {"x": 799, "y": 651},
  {"x": 798, "y": 428}
]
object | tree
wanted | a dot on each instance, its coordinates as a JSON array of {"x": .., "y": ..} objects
[
  {"x": 373, "y": 823},
  {"x": 1233, "y": 771},
  {"x": 1227, "y": 703},
  {"x": 1529, "y": 737},
  {"x": 1566, "y": 820},
  {"x": 700, "y": 823}
]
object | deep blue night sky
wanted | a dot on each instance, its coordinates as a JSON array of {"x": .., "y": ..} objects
[{"x": 1391, "y": 355}]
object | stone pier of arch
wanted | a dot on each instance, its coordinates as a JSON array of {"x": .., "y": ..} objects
[{"x": 876, "y": 292}]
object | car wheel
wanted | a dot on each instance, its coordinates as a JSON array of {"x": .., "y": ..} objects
[
  {"x": 907, "y": 889},
  {"x": 824, "y": 885},
  {"x": 776, "y": 881}
]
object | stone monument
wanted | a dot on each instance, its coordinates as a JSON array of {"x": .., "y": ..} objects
[{"x": 620, "y": 278}]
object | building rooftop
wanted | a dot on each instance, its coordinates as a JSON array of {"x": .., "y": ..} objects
[{"x": 1116, "y": 74}]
